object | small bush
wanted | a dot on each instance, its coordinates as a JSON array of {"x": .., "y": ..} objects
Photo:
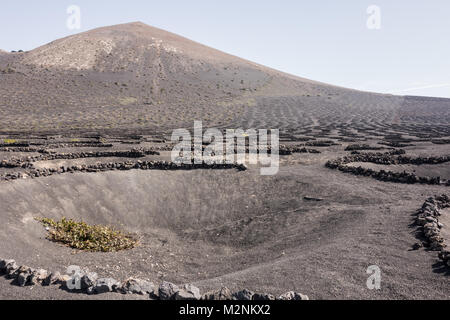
[{"x": 81, "y": 236}]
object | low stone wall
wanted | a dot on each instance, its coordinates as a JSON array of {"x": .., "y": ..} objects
[
  {"x": 14, "y": 144},
  {"x": 394, "y": 144},
  {"x": 321, "y": 143},
  {"x": 124, "y": 166},
  {"x": 355, "y": 147},
  {"x": 428, "y": 221},
  {"x": 387, "y": 176},
  {"x": 83, "y": 281},
  {"x": 283, "y": 150},
  {"x": 134, "y": 153},
  {"x": 48, "y": 156},
  {"x": 441, "y": 141},
  {"x": 389, "y": 158},
  {"x": 392, "y": 158},
  {"x": 78, "y": 145},
  {"x": 23, "y": 149},
  {"x": 288, "y": 150},
  {"x": 15, "y": 163}
]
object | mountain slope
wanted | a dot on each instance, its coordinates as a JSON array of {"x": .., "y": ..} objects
[
  {"x": 139, "y": 78},
  {"x": 154, "y": 72}
]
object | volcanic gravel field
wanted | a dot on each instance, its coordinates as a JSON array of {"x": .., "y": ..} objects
[{"x": 85, "y": 133}]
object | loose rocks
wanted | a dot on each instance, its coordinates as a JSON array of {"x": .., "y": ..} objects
[
  {"x": 88, "y": 280},
  {"x": 4, "y": 263},
  {"x": 243, "y": 295},
  {"x": 221, "y": 294},
  {"x": 23, "y": 275},
  {"x": 167, "y": 290},
  {"x": 91, "y": 284},
  {"x": 53, "y": 278},
  {"x": 188, "y": 292},
  {"x": 428, "y": 221},
  {"x": 263, "y": 297},
  {"x": 388, "y": 158},
  {"x": 103, "y": 285},
  {"x": 38, "y": 276},
  {"x": 136, "y": 286},
  {"x": 291, "y": 295}
]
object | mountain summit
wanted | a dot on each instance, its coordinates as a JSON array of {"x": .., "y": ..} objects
[{"x": 122, "y": 47}]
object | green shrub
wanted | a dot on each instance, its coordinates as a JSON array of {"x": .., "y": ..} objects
[{"x": 81, "y": 236}]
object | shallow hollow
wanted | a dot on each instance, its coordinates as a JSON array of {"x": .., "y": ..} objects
[
  {"x": 141, "y": 201},
  {"x": 191, "y": 225}
]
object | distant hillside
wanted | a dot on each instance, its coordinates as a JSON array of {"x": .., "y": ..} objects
[{"x": 137, "y": 77}]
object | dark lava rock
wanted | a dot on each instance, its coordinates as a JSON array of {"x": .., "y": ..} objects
[
  {"x": 88, "y": 280},
  {"x": 307, "y": 198},
  {"x": 243, "y": 295},
  {"x": 188, "y": 292},
  {"x": 23, "y": 275},
  {"x": 291, "y": 295},
  {"x": 4, "y": 264},
  {"x": 38, "y": 276},
  {"x": 136, "y": 286},
  {"x": 221, "y": 294},
  {"x": 263, "y": 297},
  {"x": 53, "y": 278},
  {"x": 103, "y": 285},
  {"x": 167, "y": 290}
]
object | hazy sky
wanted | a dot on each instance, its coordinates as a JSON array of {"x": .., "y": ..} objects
[{"x": 325, "y": 40}]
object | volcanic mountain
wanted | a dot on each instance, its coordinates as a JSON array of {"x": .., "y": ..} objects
[{"x": 138, "y": 78}]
